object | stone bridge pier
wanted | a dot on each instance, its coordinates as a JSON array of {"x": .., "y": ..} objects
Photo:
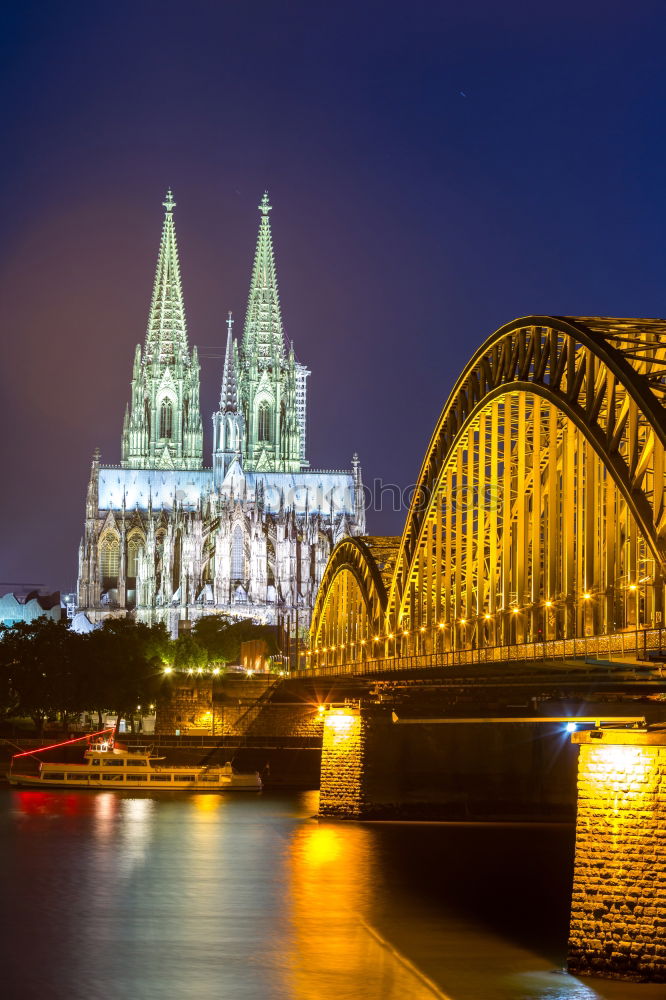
[
  {"x": 618, "y": 912},
  {"x": 372, "y": 768}
]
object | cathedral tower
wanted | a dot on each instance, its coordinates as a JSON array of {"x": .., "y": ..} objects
[
  {"x": 162, "y": 428},
  {"x": 271, "y": 382}
]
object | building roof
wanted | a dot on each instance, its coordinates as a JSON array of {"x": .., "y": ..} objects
[{"x": 325, "y": 491}]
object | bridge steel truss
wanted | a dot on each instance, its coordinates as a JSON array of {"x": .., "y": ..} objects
[
  {"x": 540, "y": 508},
  {"x": 351, "y": 601}
]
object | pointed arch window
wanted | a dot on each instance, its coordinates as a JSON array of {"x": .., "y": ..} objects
[
  {"x": 109, "y": 557},
  {"x": 264, "y": 422},
  {"x": 134, "y": 546},
  {"x": 237, "y": 555},
  {"x": 166, "y": 419}
]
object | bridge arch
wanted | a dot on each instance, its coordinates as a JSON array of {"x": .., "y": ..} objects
[
  {"x": 349, "y": 612},
  {"x": 540, "y": 508}
]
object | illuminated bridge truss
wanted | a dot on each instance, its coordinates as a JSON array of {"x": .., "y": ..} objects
[{"x": 540, "y": 508}]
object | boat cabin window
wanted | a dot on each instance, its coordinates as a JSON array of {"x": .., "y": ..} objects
[
  {"x": 95, "y": 761},
  {"x": 185, "y": 777},
  {"x": 137, "y": 777},
  {"x": 160, "y": 777},
  {"x": 112, "y": 777},
  {"x": 139, "y": 762},
  {"x": 113, "y": 763},
  {"x": 55, "y": 776}
]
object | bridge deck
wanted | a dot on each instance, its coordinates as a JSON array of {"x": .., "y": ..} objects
[{"x": 641, "y": 650}]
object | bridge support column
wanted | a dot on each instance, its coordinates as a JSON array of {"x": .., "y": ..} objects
[
  {"x": 358, "y": 763},
  {"x": 618, "y": 915}
]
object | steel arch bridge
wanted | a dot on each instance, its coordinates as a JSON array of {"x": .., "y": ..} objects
[{"x": 539, "y": 516}]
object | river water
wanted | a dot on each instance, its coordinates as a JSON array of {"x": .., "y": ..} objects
[{"x": 247, "y": 897}]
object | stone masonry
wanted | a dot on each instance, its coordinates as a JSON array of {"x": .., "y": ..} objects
[
  {"x": 232, "y": 706},
  {"x": 358, "y": 764},
  {"x": 618, "y": 916}
]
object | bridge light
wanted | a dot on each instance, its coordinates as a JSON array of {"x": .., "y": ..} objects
[
  {"x": 321, "y": 709},
  {"x": 390, "y": 635},
  {"x": 571, "y": 727},
  {"x": 342, "y": 723},
  {"x": 215, "y": 671},
  {"x": 549, "y": 604},
  {"x": 363, "y": 642},
  {"x": 405, "y": 632},
  {"x": 487, "y": 617},
  {"x": 168, "y": 670},
  {"x": 632, "y": 586},
  {"x": 463, "y": 621},
  {"x": 376, "y": 639},
  {"x": 441, "y": 625},
  {"x": 516, "y": 611},
  {"x": 422, "y": 629},
  {"x": 586, "y": 596}
]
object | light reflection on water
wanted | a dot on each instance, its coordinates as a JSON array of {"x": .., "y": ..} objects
[{"x": 208, "y": 896}]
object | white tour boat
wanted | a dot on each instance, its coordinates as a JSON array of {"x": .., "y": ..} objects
[{"x": 112, "y": 766}]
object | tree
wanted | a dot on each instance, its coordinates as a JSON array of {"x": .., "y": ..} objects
[
  {"x": 42, "y": 660},
  {"x": 188, "y": 653},
  {"x": 126, "y": 660},
  {"x": 222, "y": 638}
]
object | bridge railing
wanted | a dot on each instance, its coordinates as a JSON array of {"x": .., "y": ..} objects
[{"x": 645, "y": 643}]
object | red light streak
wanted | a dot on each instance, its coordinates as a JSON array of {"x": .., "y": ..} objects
[{"x": 31, "y": 753}]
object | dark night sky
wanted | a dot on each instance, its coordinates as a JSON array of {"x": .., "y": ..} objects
[{"x": 409, "y": 221}]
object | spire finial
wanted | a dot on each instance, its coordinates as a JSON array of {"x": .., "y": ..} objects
[
  {"x": 265, "y": 206},
  {"x": 169, "y": 203},
  {"x": 230, "y": 323}
]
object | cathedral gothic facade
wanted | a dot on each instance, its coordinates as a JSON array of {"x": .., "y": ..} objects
[{"x": 167, "y": 539}]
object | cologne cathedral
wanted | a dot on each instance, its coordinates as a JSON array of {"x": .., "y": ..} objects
[{"x": 168, "y": 539}]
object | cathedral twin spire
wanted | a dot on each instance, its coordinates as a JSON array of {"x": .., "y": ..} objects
[
  {"x": 261, "y": 419},
  {"x": 162, "y": 428},
  {"x": 166, "y": 337},
  {"x": 263, "y": 336}
]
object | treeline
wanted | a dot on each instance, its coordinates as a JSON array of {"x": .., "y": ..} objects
[{"x": 47, "y": 671}]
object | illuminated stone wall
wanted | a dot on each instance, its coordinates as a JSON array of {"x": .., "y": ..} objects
[
  {"x": 618, "y": 916},
  {"x": 343, "y": 762},
  {"x": 187, "y": 704},
  {"x": 358, "y": 764}
]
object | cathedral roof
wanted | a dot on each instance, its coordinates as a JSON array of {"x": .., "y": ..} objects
[{"x": 311, "y": 491}]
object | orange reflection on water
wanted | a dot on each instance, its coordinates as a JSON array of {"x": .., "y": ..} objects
[
  {"x": 333, "y": 948},
  {"x": 206, "y": 802}
]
